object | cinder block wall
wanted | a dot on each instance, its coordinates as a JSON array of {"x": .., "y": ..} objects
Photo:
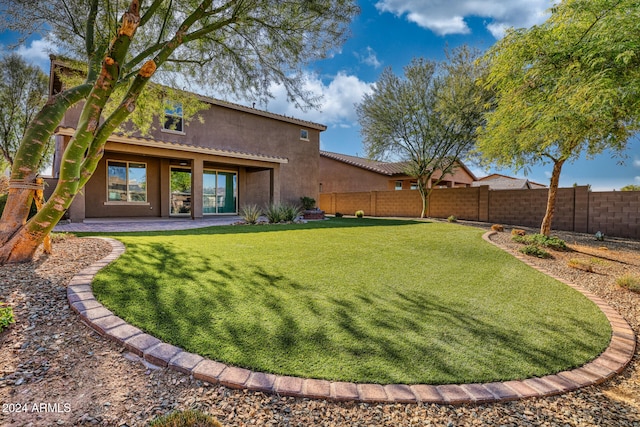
[
  {"x": 397, "y": 203},
  {"x": 614, "y": 213},
  {"x": 459, "y": 202}
]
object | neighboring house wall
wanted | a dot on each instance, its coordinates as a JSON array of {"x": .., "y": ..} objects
[
  {"x": 339, "y": 177},
  {"x": 615, "y": 213},
  {"x": 266, "y": 152},
  {"x": 341, "y": 173}
]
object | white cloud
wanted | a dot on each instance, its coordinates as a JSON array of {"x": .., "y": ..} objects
[
  {"x": 636, "y": 163},
  {"x": 337, "y": 105},
  {"x": 447, "y": 16},
  {"x": 368, "y": 57},
  {"x": 637, "y": 179},
  {"x": 37, "y": 53}
]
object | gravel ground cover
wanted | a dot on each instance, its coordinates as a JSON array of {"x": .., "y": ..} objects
[{"x": 57, "y": 371}]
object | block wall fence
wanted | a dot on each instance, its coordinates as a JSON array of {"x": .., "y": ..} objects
[{"x": 615, "y": 213}]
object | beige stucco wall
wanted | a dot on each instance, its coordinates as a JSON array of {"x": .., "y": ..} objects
[
  {"x": 339, "y": 177},
  {"x": 238, "y": 130}
]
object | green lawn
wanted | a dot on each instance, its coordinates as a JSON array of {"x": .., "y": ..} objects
[{"x": 359, "y": 300}]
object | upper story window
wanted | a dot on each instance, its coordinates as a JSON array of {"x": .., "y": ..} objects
[
  {"x": 398, "y": 185},
  {"x": 414, "y": 185},
  {"x": 304, "y": 134},
  {"x": 173, "y": 118},
  {"x": 126, "y": 181}
]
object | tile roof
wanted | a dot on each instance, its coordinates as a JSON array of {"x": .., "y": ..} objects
[
  {"x": 494, "y": 176},
  {"x": 384, "y": 168},
  {"x": 507, "y": 183}
]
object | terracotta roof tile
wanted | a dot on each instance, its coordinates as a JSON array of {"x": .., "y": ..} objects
[{"x": 384, "y": 168}]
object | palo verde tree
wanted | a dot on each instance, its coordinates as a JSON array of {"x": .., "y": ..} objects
[
  {"x": 428, "y": 118},
  {"x": 238, "y": 46},
  {"x": 568, "y": 87},
  {"x": 23, "y": 92}
]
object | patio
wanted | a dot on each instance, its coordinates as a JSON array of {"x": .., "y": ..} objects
[{"x": 109, "y": 225}]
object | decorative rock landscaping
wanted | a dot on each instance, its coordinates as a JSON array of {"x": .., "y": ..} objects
[
  {"x": 50, "y": 356},
  {"x": 619, "y": 353}
]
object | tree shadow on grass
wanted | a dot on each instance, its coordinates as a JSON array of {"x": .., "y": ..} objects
[{"x": 249, "y": 316}]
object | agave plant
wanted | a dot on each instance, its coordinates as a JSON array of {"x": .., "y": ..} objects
[{"x": 250, "y": 213}]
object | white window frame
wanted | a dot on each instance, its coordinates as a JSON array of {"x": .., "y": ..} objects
[{"x": 304, "y": 135}]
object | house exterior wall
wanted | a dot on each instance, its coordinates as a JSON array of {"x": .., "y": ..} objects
[{"x": 237, "y": 130}]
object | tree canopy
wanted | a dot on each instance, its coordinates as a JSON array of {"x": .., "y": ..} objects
[
  {"x": 23, "y": 91},
  {"x": 630, "y": 187},
  {"x": 427, "y": 118},
  {"x": 564, "y": 88},
  {"x": 235, "y": 46}
]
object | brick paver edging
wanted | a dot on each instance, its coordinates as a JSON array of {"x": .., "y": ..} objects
[{"x": 619, "y": 353}]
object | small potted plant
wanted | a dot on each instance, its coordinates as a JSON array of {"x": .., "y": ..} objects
[{"x": 309, "y": 209}]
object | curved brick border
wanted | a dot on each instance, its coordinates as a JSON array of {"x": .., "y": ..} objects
[{"x": 619, "y": 353}]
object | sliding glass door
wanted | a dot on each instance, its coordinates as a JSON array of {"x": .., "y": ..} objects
[{"x": 219, "y": 192}]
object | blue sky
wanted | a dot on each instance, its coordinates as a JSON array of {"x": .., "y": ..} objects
[{"x": 389, "y": 33}]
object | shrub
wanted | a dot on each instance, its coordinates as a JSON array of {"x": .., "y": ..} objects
[
  {"x": 290, "y": 212},
  {"x": 359, "y": 214},
  {"x": 536, "y": 251},
  {"x": 250, "y": 213},
  {"x": 273, "y": 212},
  {"x": 189, "y": 418},
  {"x": 278, "y": 212},
  {"x": 338, "y": 215},
  {"x": 497, "y": 227},
  {"x": 6, "y": 317},
  {"x": 629, "y": 281},
  {"x": 307, "y": 203},
  {"x": 580, "y": 265},
  {"x": 552, "y": 242},
  {"x": 452, "y": 218},
  {"x": 540, "y": 240}
]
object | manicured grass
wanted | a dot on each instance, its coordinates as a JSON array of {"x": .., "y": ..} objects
[{"x": 359, "y": 300}]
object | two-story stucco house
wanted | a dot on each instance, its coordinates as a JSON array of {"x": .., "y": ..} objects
[{"x": 238, "y": 155}]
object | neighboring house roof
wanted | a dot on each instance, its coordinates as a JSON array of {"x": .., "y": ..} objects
[
  {"x": 149, "y": 142},
  {"x": 495, "y": 176},
  {"x": 507, "y": 183},
  {"x": 384, "y": 168}
]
